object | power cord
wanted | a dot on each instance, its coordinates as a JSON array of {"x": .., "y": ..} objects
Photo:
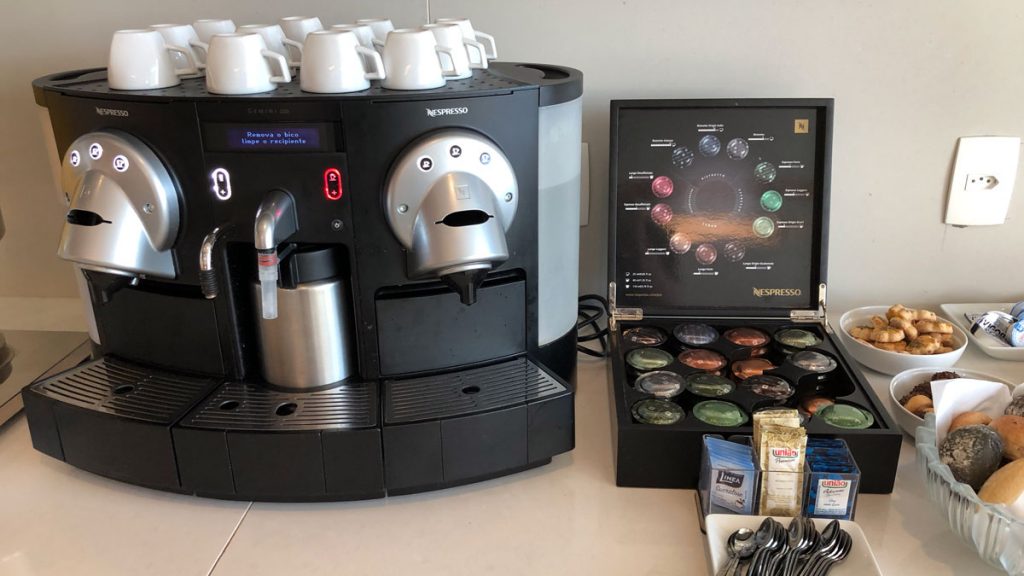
[{"x": 588, "y": 319}]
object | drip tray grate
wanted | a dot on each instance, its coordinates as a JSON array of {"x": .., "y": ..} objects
[
  {"x": 241, "y": 406},
  {"x": 127, "y": 390},
  {"x": 470, "y": 391}
]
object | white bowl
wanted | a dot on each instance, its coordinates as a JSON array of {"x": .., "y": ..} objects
[
  {"x": 905, "y": 381},
  {"x": 893, "y": 362}
]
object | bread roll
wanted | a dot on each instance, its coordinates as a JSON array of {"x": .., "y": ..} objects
[
  {"x": 969, "y": 418},
  {"x": 1011, "y": 430},
  {"x": 1005, "y": 486}
]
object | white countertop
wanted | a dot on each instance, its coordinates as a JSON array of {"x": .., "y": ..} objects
[{"x": 564, "y": 518}]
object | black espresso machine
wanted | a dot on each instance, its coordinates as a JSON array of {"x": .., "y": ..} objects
[{"x": 295, "y": 296}]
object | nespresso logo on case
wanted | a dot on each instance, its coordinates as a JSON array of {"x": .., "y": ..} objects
[
  {"x": 111, "y": 112},
  {"x": 434, "y": 112},
  {"x": 766, "y": 292}
]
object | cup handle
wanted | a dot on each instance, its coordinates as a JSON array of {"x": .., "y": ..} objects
[
  {"x": 481, "y": 62},
  {"x": 492, "y": 48},
  {"x": 447, "y": 70},
  {"x": 282, "y": 63},
  {"x": 192, "y": 68},
  {"x": 206, "y": 51},
  {"x": 378, "y": 44},
  {"x": 378, "y": 64},
  {"x": 289, "y": 43}
]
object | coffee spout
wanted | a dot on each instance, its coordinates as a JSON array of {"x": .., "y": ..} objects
[
  {"x": 275, "y": 222},
  {"x": 466, "y": 284}
]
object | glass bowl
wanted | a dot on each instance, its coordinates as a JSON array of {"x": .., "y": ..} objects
[{"x": 990, "y": 530}]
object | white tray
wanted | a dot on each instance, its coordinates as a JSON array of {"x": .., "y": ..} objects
[
  {"x": 860, "y": 562},
  {"x": 989, "y": 344}
]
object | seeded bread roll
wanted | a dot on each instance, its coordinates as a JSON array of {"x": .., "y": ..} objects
[
  {"x": 972, "y": 453},
  {"x": 1011, "y": 430},
  {"x": 1005, "y": 486}
]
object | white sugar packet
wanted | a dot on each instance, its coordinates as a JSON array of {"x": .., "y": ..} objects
[{"x": 959, "y": 395}]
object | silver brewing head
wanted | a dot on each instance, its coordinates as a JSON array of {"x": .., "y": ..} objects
[{"x": 450, "y": 198}]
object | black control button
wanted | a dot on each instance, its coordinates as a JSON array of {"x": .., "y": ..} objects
[
  {"x": 426, "y": 163},
  {"x": 485, "y": 158},
  {"x": 221, "y": 183},
  {"x": 455, "y": 151}
]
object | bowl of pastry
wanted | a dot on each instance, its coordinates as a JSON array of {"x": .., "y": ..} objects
[
  {"x": 910, "y": 392},
  {"x": 891, "y": 339}
]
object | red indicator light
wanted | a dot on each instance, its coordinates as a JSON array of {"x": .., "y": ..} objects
[{"x": 332, "y": 184}]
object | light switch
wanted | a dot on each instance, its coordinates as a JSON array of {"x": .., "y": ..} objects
[{"x": 982, "y": 181}]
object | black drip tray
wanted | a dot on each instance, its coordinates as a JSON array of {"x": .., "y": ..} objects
[
  {"x": 241, "y": 406},
  {"x": 116, "y": 387},
  {"x": 467, "y": 392}
]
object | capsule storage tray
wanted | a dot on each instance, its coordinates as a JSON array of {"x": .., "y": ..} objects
[{"x": 667, "y": 454}]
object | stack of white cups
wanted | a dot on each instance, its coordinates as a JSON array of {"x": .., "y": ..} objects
[{"x": 256, "y": 58}]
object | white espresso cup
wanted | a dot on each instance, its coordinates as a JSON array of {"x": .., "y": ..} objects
[
  {"x": 182, "y": 35},
  {"x": 365, "y": 36},
  {"x": 207, "y": 27},
  {"x": 297, "y": 27},
  {"x": 470, "y": 34},
  {"x": 141, "y": 60},
  {"x": 412, "y": 60},
  {"x": 332, "y": 63},
  {"x": 466, "y": 54},
  {"x": 380, "y": 27},
  {"x": 240, "y": 63},
  {"x": 276, "y": 41}
]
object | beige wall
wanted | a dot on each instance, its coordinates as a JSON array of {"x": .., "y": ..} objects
[{"x": 908, "y": 77}]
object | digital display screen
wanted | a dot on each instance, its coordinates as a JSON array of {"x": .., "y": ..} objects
[
  {"x": 268, "y": 137},
  {"x": 718, "y": 207}
]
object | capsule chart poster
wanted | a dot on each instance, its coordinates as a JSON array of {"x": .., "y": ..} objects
[{"x": 716, "y": 207}]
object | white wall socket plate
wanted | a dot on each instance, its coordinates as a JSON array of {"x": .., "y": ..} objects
[{"x": 982, "y": 181}]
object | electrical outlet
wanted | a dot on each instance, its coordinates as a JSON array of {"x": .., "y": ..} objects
[{"x": 982, "y": 180}]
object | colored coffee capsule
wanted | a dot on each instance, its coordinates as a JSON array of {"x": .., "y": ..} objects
[
  {"x": 705, "y": 360},
  {"x": 750, "y": 337},
  {"x": 743, "y": 369},
  {"x": 644, "y": 359},
  {"x": 694, "y": 334},
  {"x": 813, "y": 404},
  {"x": 719, "y": 413},
  {"x": 655, "y": 411},
  {"x": 661, "y": 383},
  {"x": 846, "y": 416},
  {"x": 645, "y": 336},
  {"x": 709, "y": 385},
  {"x": 796, "y": 338},
  {"x": 813, "y": 361},
  {"x": 768, "y": 386}
]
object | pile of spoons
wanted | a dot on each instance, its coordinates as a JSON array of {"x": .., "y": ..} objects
[{"x": 774, "y": 550}]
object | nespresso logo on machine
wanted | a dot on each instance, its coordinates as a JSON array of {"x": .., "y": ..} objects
[
  {"x": 765, "y": 292},
  {"x": 111, "y": 112},
  {"x": 435, "y": 112}
]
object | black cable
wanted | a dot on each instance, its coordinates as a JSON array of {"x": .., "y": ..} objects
[{"x": 588, "y": 318}]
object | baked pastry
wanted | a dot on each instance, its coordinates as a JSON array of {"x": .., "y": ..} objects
[
  {"x": 888, "y": 334},
  {"x": 917, "y": 405},
  {"x": 906, "y": 325},
  {"x": 900, "y": 346},
  {"x": 969, "y": 419},
  {"x": 1011, "y": 430},
  {"x": 862, "y": 332},
  {"x": 933, "y": 326},
  {"x": 1016, "y": 408},
  {"x": 924, "y": 344},
  {"x": 1005, "y": 486},
  {"x": 900, "y": 311},
  {"x": 925, "y": 315}
]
